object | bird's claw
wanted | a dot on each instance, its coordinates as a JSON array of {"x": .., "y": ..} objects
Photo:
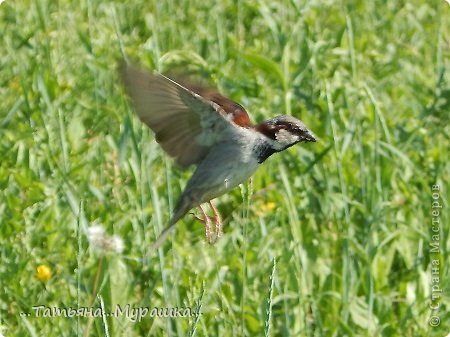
[{"x": 210, "y": 237}]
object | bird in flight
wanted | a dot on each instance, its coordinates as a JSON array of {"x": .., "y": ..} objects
[{"x": 198, "y": 126}]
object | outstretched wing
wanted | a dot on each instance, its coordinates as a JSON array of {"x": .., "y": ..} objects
[{"x": 186, "y": 123}]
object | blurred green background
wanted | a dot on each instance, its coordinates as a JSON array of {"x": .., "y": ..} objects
[{"x": 328, "y": 239}]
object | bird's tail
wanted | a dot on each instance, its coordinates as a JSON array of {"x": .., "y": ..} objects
[{"x": 179, "y": 212}]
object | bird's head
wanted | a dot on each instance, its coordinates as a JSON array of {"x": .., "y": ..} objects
[{"x": 285, "y": 131}]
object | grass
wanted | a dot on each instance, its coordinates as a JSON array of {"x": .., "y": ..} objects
[{"x": 327, "y": 239}]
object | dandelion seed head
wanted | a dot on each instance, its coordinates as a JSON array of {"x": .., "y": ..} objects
[
  {"x": 96, "y": 234},
  {"x": 116, "y": 244},
  {"x": 100, "y": 240}
]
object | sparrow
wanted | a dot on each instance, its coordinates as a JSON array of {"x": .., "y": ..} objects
[{"x": 198, "y": 126}]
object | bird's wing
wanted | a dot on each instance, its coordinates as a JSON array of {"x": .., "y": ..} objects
[{"x": 186, "y": 122}]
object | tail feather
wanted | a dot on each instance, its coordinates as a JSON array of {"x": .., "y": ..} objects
[
  {"x": 180, "y": 211},
  {"x": 162, "y": 237}
]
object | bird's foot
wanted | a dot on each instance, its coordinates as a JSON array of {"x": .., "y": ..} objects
[
  {"x": 217, "y": 221},
  {"x": 210, "y": 237},
  {"x": 207, "y": 221}
]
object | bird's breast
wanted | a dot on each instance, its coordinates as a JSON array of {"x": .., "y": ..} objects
[{"x": 226, "y": 166}]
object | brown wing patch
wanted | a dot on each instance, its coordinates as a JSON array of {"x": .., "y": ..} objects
[{"x": 239, "y": 114}]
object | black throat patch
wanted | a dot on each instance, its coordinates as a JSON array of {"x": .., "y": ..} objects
[{"x": 263, "y": 151}]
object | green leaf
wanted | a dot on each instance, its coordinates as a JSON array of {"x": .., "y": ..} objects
[{"x": 268, "y": 66}]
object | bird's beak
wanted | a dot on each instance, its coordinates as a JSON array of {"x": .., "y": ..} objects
[{"x": 308, "y": 136}]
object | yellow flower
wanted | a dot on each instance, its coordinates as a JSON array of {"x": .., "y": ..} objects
[
  {"x": 43, "y": 273},
  {"x": 268, "y": 206},
  {"x": 14, "y": 84}
]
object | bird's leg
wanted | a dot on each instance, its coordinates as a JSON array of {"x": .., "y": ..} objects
[
  {"x": 217, "y": 220},
  {"x": 207, "y": 221}
]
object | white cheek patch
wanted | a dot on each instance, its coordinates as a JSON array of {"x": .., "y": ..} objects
[{"x": 285, "y": 137}]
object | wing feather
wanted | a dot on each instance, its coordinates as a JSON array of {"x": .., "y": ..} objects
[{"x": 186, "y": 125}]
